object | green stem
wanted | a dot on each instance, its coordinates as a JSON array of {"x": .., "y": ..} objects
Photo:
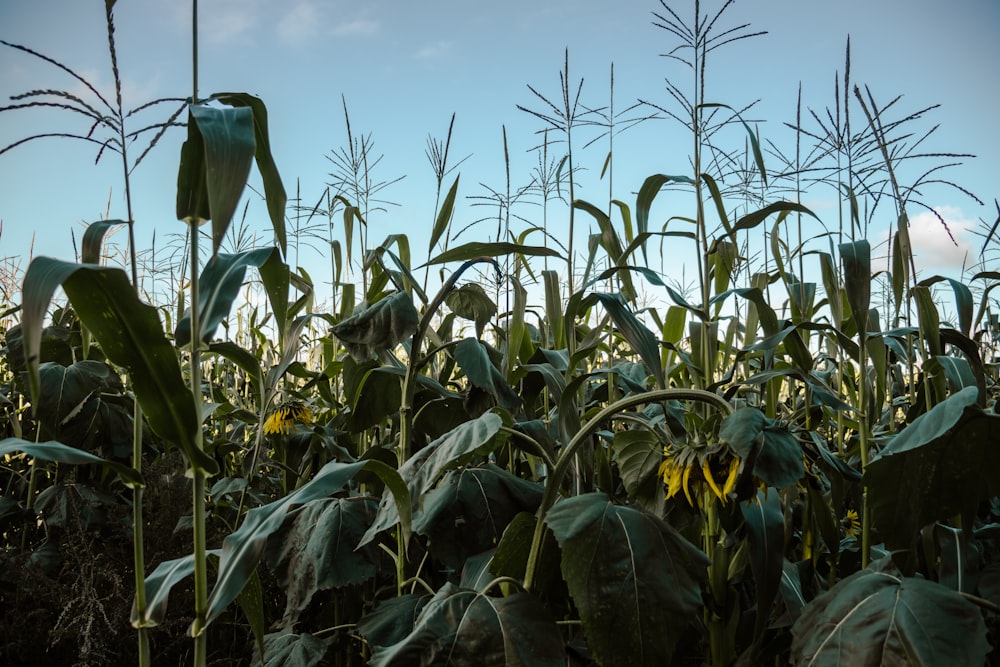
[
  {"x": 139, "y": 561},
  {"x": 198, "y": 487},
  {"x": 568, "y": 454}
]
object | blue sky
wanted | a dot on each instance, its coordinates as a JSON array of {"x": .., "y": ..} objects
[{"x": 405, "y": 67}]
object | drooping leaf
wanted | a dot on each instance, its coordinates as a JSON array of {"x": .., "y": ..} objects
[
  {"x": 378, "y": 328},
  {"x": 779, "y": 461},
  {"x": 274, "y": 190},
  {"x": 639, "y": 455},
  {"x": 468, "y": 511},
  {"x": 131, "y": 336},
  {"x": 463, "y": 627},
  {"x": 227, "y": 146},
  {"x": 856, "y": 257},
  {"x": 378, "y": 396},
  {"x": 741, "y": 429},
  {"x": 315, "y": 550},
  {"x": 883, "y": 618},
  {"x": 635, "y": 332},
  {"x": 220, "y": 283},
  {"x": 444, "y": 215},
  {"x": 422, "y": 470},
  {"x": 473, "y": 359},
  {"x": 393, "y": 619},
  {"x": 941, "y": 465},
  {"x": 470, "y": 302},
  {"x": 634, "y": 580},
  {"x": 93, "y": 240}
]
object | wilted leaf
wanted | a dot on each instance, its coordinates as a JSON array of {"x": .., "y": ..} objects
[
  {"x": 472, "y": 357},
  {"x": 378, "y": 328},
  {"x": 634, "y": 579},
  {"x": 470, "y": 302}
]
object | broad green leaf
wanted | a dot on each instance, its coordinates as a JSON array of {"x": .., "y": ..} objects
[
  {"x": 274, "y": 191},
  {"x": 220, "y": 283},
  {"x": 131, "y": 336},
  {"x": 251, "y": 603},
  {"x": 742, "y": 429},
  {"x": 276, "y": 277},
  {"x": 242, "y": 550},
  {"x": 421, "y": 471},
  {"x": 856, "y": 257},
  {"x": 245, "y": 360},
  {"x": 510, "y": 559},
  {"x": 556, "y": 337},
  {"x": 463, "y": 627},
  {"x": 56, "y": 451},
  {"x": 639, "y": 455},
  {"x": 644, "y": 201},
  {"x": 315, "y": 550},
  {"x": 751, "y": 220},
  {"x": 470, "y": 302},
  {"x": 93, "y": 240},
  {"x": 930, "y": 322},
  {"x": 779, "y": 461},
  {"x": 468, "y": 511},
  {"x": 392, "y": 620},
  {"x": 444, "y": 215},
  {"x": 473, "y": 359},
  {"x": 882, "y": 618},
  {"x": 77, "y": 406},
  {"x": 287, "y": 649},
  {"x": 378, "y": 328},
  {"x": 159, "y": 583},
  {"x": 765, "y": 524},
  {"x": 635, "y": 581},
  {"x": 943, "y": 464},
  {"x": 477, "y": 249},
  {"x": 963, "y": 301}
]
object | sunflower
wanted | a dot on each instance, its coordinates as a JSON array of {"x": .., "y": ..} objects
[
  {"x": 677, "y": 470},
  {"x": 286, "y": 416},
  {"x": 851, "y": 524}
]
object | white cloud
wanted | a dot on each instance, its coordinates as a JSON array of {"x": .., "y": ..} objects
[
  {"x": 301, "y": 22},
  {"x": 933, "y": 248},
  {"x": 357, "y": 28},
  {"x": 432, "y": 51},
  {"x": 223, "y": 21}
]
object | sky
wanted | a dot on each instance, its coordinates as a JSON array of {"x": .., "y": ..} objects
[{"x": 403, "y": 68}]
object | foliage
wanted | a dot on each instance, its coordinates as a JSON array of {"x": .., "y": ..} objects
[{"x": 777, "y": 466}]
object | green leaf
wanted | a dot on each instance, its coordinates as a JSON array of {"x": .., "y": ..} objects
[
  {"x": 444, "y": 215},
  {"x": 392, "y": 620},
  {"x": 765, "y": 523},
  {"x": 378, "y": 328},
  {"x": 641, "y": 339},
  {"x": 644, "y": 201},
  {"x": 159, "y": 583},
  {"x": 274, "y": 191},
  {"x": 463, "y": 627},
  {"x": 741, "y": 429},
  {"x": 93, "y": 240},
  {"x": 943, "y": 464},
  {"x": 242, "y": 550},
  {"x": 131, "y": 336},
  {"x": 470, "y": 302},
  {"x": 472, "y": 357},
  {"x": 287, "y": 649},
  {"x": 856, "y": 258},
  {"x": 468, "y": 511},
  {"x": 227, "y": 149},
  {"x": 635, "y": 581},
  {"x": 882, "y": 618},
  {"x": 751, "y": 220},
  {"x": 477, "y": 249},
  {"x": 421, "y": 471},
  {"x": 220, "y": 283},
  {"x": 378, "y": 396},
  {"x": 639, "y": 455},
  {"x": 56, "y": 451},
  {"x": 315, "y": 550},
  {"x": 779, "y": 461}
]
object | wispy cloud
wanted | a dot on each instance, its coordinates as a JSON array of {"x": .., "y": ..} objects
[{"x": 433, "y": 51}]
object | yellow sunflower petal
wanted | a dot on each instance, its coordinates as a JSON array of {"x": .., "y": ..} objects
[
  {"x": 734, "y": 473},
  {"x": 685, "y": 483},
  {"x": 706, "y": 470}
]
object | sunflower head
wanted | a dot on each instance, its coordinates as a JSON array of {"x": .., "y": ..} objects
[
  {"x": 851, "y": 524},
  {"x": 688, "y": 471},
  {"x": 286, "y": 416}
]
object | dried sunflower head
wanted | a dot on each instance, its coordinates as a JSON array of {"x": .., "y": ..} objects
[{"x": 286, "y": 416}]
